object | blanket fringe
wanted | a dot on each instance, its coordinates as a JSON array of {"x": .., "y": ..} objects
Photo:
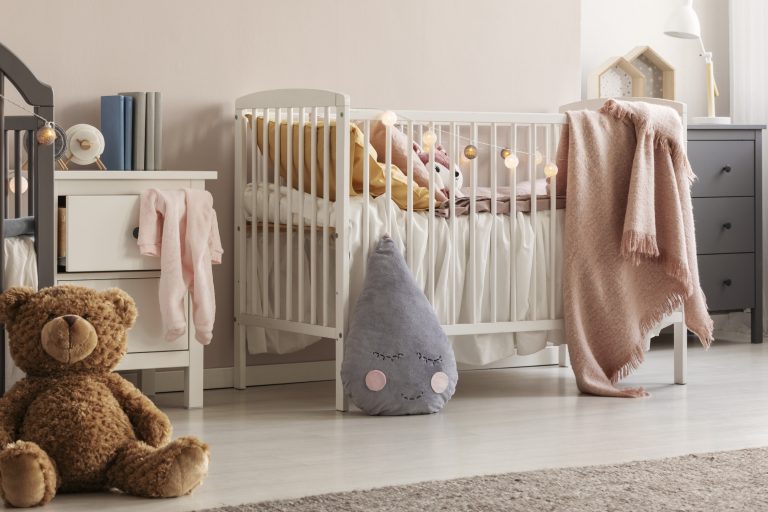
[{"x": 636, "y": 246}]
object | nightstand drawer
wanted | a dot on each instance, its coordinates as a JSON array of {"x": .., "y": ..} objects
[
  {"x": 147, "y": 334},
  {"x": 724, "y": 224},
  {"x": 728, "y": 280},
  {"x": 723, "y": 167},
  {"x": 100, "y": 234}
]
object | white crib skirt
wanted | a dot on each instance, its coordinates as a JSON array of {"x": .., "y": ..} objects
[{"x": 475, "y": 349}]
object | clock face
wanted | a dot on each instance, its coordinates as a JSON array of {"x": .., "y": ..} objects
[
  {"x": 615, "y": 82},
  {"x": 85, "y": 143}
]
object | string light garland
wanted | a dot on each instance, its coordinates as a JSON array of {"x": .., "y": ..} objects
[
  {"x": 46, "y": 134},
  {"x": 510, "y": 158}
]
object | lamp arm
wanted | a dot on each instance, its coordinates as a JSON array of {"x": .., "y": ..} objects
[{"x": 708, "y": 59}]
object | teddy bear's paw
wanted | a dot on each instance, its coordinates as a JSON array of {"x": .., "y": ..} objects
[
  {"x": 27, "y": 475},
  {"x": 189, "y": 467}
]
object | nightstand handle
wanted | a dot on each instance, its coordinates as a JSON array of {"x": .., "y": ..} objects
[
  {"x": 136, "y": 233},
  {"x": 727, "y": 225},
  {"x": 727, "y": 168},
  {"x": 727, "y": 282}
]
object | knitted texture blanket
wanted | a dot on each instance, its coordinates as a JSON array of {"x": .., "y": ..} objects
[{"x": 629, "y": 244}]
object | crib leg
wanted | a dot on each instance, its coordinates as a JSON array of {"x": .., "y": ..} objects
[
  {"x": 342, "y": 402},
  {"x": 681, "y": 352},
  {"x": 240, "y": 357},
  {"x": 562, "y": 356}
]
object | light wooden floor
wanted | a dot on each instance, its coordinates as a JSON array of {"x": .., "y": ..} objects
[{"x": 286, "y": 441}]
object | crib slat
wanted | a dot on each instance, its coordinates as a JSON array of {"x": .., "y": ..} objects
[
  {"x": 366, "y": 187},
  {"x": 552, "y": 225},
  {"x": 472, "y": 227},
  {"x": 454, "y": 151},
  {"x": 17, "y": 173},
  {"x": 276, "y": 181},
  {"x": 388, "y": 177},
  {"x": 532, "y": 170},
  {"x": 326, "y": 208},
  {"x": 513, "y": 227},
  {"x": 289, "y": 222},
  {"x": 494, "y": 160},
  {"x": 409, "y": 206},
  {"x": 431, "y": 225},
  {"x": 31, "y": 171},
  {"x": 257, "y": 166},
  {"x": 313, "y": 221},
  {"x": 300, "y": 231}
]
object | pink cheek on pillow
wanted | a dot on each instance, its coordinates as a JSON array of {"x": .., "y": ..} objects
[
  {"x": 440, "y": 382},
  {"x": 375, "y": 380}
]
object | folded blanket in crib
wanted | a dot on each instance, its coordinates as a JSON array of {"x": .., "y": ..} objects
[
  {"x": 19, "y": 226},
  {"x": 484, "y": 202},
  {"x": 629, "y": 245}
]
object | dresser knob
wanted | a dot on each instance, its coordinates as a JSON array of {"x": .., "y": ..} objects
[
  {"x": 136, "y": 233},
  {"x": 727, "y": 225},
  {"x": 727, "y": 168},
  {"x": 727, "y": 282}
]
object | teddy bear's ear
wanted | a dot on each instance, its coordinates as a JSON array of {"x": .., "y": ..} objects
[
  {"x": 123, "y": 304},
  {"x": 11, "y": 300}
]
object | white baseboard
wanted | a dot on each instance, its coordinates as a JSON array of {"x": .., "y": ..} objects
[{"x": 268, "y": 374}]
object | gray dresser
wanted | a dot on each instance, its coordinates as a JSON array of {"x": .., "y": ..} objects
[{"x": 727, "y": 204}]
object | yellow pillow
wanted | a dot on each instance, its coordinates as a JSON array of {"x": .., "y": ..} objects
[{"x": 376, "y": 170}]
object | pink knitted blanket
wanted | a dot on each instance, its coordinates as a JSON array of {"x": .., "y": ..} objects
[{"x": 629, "y": 245}]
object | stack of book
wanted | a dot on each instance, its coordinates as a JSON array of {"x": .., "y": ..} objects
[{"x": 132, "y": 125}]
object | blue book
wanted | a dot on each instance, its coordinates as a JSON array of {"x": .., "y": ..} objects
[
  {"x": 128, "y": 134},
  {"x": 113, "y": 128}
]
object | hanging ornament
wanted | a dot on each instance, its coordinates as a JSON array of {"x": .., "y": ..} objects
[
  {"x": 550, "y": 170},
  {"x": 428, "y": 139},
  {"x": 46, "y": 134},
  {"x": 511, "y": 161},
  {"x": 470, "y": 152},
  {"x": 505, "y": 152},
  {"x": 388, "y": 118}
]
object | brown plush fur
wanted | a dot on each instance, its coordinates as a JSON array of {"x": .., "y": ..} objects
[{"x": 72, "y": 424}]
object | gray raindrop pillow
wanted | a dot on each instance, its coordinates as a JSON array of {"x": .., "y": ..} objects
[{"x": 397, "y": 358}]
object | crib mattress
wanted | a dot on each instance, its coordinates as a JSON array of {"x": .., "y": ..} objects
[{"x": 454, "y": 298}]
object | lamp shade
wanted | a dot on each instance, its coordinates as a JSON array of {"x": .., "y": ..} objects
[{"x": 684, "y": 22}]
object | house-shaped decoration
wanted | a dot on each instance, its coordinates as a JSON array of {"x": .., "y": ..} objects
[
  {"x": 659, "y": 74},
  {"x": 617, "y": 77}
]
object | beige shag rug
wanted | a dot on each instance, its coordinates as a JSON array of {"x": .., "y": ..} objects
[{"x": 736, "y": 480}]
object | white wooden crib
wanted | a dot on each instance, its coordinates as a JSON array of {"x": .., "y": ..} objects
[{"x": 314, "y": 298}]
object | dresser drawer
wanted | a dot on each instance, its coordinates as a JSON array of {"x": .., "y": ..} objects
[
  {"x": 724, "y": 224},
  {"x": 100, "y": 233},
  {"x": 728, "y": 280},
  {"x": 147, "y": 334},
  {"x": 723, "y": 167}
]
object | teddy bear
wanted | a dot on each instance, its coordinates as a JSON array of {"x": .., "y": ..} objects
[
  {"x": 72, "y": 424},
  {"x": 453, "y": 180}
]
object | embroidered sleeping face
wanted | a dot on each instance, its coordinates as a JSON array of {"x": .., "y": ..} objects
[{"x": 376, "y": 380}]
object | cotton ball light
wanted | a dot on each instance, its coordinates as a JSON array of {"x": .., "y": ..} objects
[
  {"x": 550, "y": 170},
  {"x": 12, "y": 184},
  {"x": 470, "y": 152},
  {"x": 429, "y": 138},
  {"x": 388, "y": 118},
  {"x": 46, "y": 134},
  {"x": 538, "y": 158},
  {"x": 511, "y": 161}
]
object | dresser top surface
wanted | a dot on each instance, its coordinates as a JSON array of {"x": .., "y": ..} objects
[
  {"x": 726, "y": 126},
  {"x": 135, "y": 175}
]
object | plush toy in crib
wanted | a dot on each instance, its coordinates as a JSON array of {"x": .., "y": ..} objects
[
  {"x": 400, "y": 151},
  {"x": 397, "y": 358},
  {"x": 72, "y": 424},
  {"x": 453, "y": 180}
]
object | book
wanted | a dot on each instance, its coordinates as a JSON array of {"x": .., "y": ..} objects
[
  {"x": 158, "y": 131},
  {"x": 139, "y": 127},
  {"x": 149, "y": 148},
  {"x": 113, "y": 127},
  {"x": 128, "y": 133}
]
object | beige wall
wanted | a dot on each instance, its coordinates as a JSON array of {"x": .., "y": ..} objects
[
  {"x": 430, "y": 54},
  {"x": 613, "y": 27}
]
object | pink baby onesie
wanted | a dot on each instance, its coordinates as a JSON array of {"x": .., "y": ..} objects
[{"x": 180, "y": 227}]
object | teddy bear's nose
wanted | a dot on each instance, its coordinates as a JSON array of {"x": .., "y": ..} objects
[{"x": 70, "y": 319}]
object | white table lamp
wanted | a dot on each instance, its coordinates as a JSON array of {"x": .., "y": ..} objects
[{"x": 684, "y": 23}]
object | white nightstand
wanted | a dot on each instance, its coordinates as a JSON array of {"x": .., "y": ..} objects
[{"x": 99, "y": 250}]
